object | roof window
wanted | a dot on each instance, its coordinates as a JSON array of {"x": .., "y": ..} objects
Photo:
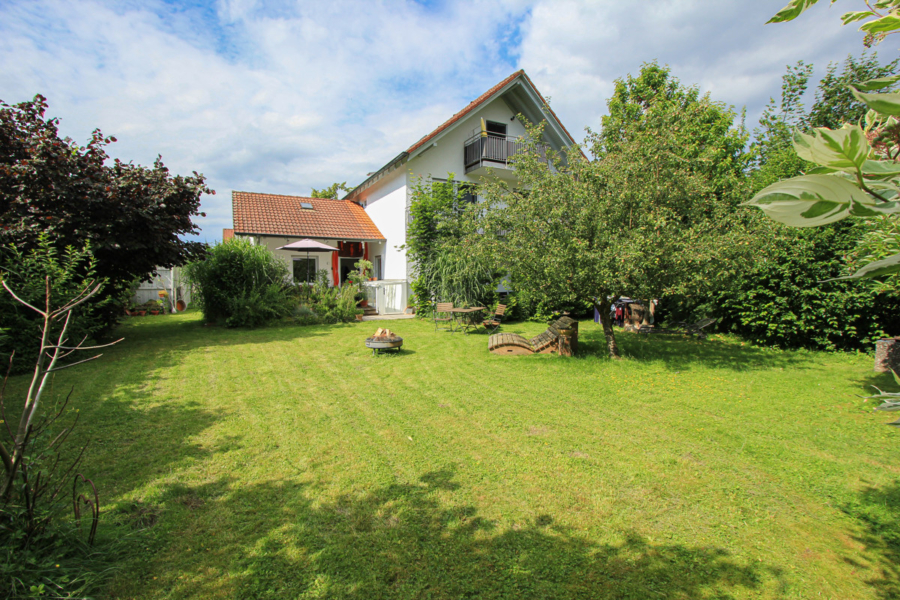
[{"x": 306, "y": 205}]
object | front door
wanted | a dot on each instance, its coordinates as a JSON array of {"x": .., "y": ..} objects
[{"x": 346, "y": 266}]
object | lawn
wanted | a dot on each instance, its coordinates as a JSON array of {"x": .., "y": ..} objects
[{"x": 289, "y": 462}]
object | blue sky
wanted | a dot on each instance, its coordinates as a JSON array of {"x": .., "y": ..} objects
[{"x": 284, "y": 96}]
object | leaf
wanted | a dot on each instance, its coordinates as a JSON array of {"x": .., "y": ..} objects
[
  {"x": 858, "y": 15},
  {"x": 880, "y": 168},
  {"x": 810, "y": 200},
  {"x": 875, "y": 210},
  {"x": 885, "y": 24},
  {"x": 877, "y": 84},
  {"x": 896, "y": 377},
  {"x": 844, "y": 149},
  {"x": 791, "y": 11},
  {"x": 820, "y": 171},
  {"x": 873, "y": 270},
  {"x": 886, "y": 104}
]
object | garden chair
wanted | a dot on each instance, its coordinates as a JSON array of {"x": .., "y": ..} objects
[
  {"x": 492, "y": 323},
  {"x": 697, "y": 328},
  {"x": 443, "y": 308}
]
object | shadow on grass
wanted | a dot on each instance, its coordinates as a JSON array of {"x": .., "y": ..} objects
[
  {"x": 680, "y": 353},
  {"x": 878, "y": 511},
  {"x": 409, "y": 541}
]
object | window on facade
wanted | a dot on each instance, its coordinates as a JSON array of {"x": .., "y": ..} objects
[
  {"x": 468, "y": 193},
  {"x": 305, "y": 270}
]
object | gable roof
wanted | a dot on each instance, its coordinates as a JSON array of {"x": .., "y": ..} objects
[
  {"x": 273, "y": 214},
  {"x": 494, "y": 92},
  {"x": 484, "y": 99}
]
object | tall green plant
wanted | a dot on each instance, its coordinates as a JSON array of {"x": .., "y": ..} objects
[
  {"x": 441, "y": 221},
  {"x": 27, "y": 272},
  {"x": 788, "y": 297},
  {"x": 241, "y": 284}
]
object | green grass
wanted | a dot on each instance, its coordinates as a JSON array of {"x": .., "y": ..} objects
[{"x": 289, "y": 463}]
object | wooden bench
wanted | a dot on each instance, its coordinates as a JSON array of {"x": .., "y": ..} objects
[{"x": 560, "y": 338}]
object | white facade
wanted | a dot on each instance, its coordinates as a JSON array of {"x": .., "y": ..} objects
[
  {"x": 386, "y": 204},
  {"x": 445, "y": 155},
  {"x": 386, "y": 201}
]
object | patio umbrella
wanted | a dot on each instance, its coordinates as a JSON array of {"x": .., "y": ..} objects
[{"x": 310, "y": 246}]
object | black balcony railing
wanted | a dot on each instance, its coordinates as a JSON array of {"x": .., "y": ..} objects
[{"x": 493, "y": 150}]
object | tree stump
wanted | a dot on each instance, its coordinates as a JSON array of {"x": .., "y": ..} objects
[{"x": 887, "y": 355}]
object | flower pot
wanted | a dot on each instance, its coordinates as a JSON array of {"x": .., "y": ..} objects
[
  {"x": 141, "y": 313},
  {"x": 359, "y": 317},
  {"x": 180, "y": 306},
  {"x": 154, "y": 312}
]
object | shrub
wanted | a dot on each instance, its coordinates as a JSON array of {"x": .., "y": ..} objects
[
  {"x": 241, "y": 284},
  {"x": 786, "y": 301},
  {"x": 27, "y": 273},
  {"x": 333, "y": 304}
]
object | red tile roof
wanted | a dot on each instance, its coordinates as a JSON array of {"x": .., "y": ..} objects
[
  {"x": 272, "y": 214},
  {"x": 227, "y": 234}
]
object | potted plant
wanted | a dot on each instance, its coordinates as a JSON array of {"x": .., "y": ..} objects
[
  {"x": 155, "y": 306},
  {"x": 363, "y": 272}
]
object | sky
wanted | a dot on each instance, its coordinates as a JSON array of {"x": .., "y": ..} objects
[{"x": 284, "y": 96}]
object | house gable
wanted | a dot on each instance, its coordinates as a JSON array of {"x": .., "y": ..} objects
[{"x": 517, "y": 92}]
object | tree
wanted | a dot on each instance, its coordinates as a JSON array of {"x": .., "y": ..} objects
[
  {"x": 835, "y": 103},
  {"x": 132, "y": 217},
  {"x": 859, "y": 165},
  {"x": 788, "y": 297},
  {"x": 858, "y": 172},
  {"x": 34, "y": 477},
  {"x": 331, "y": 191},
  {"x": 649, "y": 216},
  {"x": 675, "y": 161}
]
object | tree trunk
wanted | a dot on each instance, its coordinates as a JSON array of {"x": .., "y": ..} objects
[{"x": 603, "y": 308}]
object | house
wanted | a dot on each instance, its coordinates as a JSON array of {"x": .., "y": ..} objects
[{"x": 370, "y": 222}]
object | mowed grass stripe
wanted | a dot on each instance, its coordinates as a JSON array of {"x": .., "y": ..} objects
[{"x": 277, "y": 463}]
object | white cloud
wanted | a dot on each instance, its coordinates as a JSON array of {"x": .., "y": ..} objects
[
  {"x": 286, "y": 96},
  {"x": 575, "y": 50}
]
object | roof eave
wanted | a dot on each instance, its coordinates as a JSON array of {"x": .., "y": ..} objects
[
  {"x": 374, "y": 177},
  {"x": 312, "y": 237}
]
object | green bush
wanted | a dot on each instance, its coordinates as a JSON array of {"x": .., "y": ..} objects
[
  {"x": 241, "y": 284},
  {"x": 333, "y": 304},
  {"x": 25, "y": 274},
  {"x": 786, "y": 301}
]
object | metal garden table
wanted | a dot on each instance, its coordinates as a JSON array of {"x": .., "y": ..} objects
[{"x": 467, "y": 318}]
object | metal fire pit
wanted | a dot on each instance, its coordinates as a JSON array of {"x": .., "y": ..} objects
[{"x": 383, "y": 343}]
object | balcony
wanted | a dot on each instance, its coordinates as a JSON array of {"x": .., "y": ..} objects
[{"x": 490, "y": 151}]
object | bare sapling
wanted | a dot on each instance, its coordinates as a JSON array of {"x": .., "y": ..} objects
[{"x": 18, "y": 454}]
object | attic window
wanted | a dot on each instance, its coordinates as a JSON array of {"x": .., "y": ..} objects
[{"x": 306, "y": 205}]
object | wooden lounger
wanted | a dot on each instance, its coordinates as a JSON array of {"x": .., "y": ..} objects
[{"x": 545, "y": 343}]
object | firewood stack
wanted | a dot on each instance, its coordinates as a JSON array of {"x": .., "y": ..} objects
[{"x": 384, "y": 335}]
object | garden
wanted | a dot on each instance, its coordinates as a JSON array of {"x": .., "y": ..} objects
[
  {"x": 254, "y": 447},
  {"x": 287, "y": 462}
]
